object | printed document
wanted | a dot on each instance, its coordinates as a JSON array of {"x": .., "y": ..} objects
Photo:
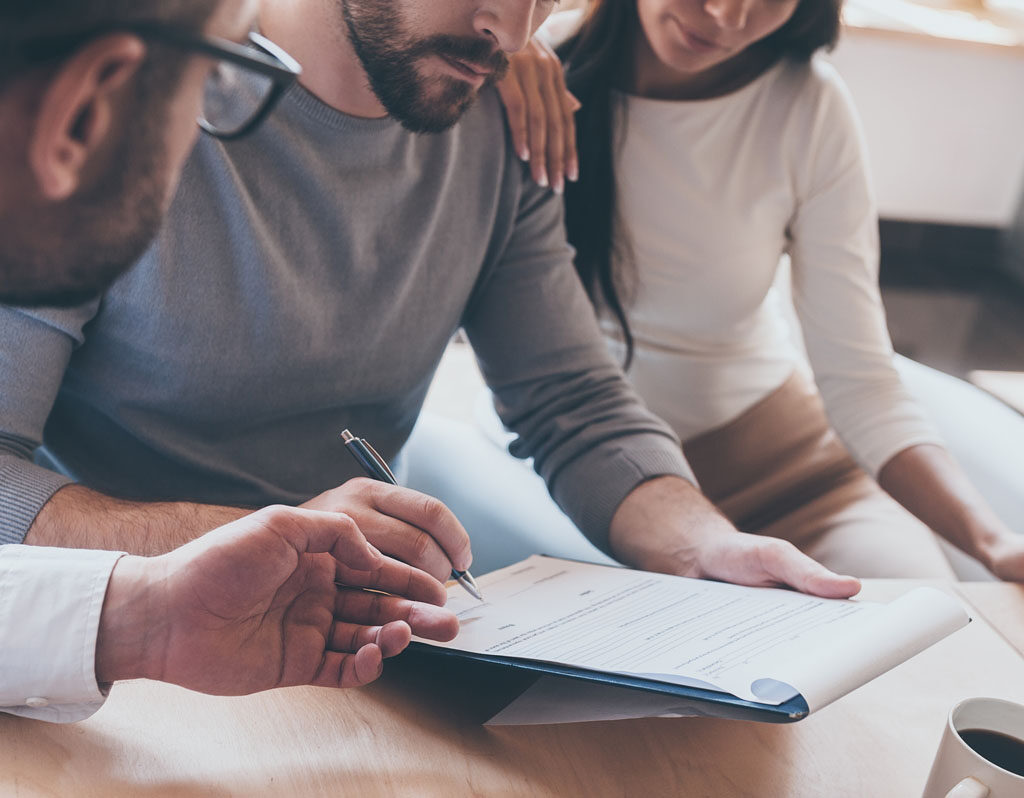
[{"x": 760, "y": 644}]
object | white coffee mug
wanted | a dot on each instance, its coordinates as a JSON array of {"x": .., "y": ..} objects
[{"x": 959, "y": 771}]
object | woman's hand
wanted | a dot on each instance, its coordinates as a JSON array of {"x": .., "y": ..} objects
[
  {"x": 1004, "y": 557},
  {"x": 540, "y": 114}
]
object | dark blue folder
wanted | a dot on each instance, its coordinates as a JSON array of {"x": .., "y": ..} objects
[{"x": 697, "y": 701}]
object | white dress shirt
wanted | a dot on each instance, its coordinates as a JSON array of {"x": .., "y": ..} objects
[{"x": 50, "y": 603}]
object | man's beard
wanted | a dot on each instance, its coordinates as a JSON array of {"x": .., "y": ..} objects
[
  {"x": 390, "y": 61},
  {"x": 74, "y": 254}
]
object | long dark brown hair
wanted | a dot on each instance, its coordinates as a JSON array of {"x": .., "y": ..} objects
[{"x": 595, "y": 59}]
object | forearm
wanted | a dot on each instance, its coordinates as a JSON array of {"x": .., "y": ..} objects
[
  {"x": 928, "y": 481},
  {"x": 662, "y": 525},
  {"x": 77, "y": 517},
  {"x": 667, "y": 525}
]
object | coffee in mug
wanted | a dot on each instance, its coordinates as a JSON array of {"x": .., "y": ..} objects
[
  {"x": 1000, "y": 749},
  {"x": 981, "y": 754}
]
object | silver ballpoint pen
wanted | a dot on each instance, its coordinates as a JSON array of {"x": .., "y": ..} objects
[{"x": 375, "y": 467}]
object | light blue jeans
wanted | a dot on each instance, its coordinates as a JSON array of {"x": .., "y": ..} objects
[{"x": 509, "y": 515}]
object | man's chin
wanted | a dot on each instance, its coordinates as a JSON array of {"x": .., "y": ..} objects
[{"x": 438, "y": 111}]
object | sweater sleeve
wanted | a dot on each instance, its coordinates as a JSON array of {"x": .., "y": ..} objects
[
  {"x": 834, "y": 251},
  {"x": 35, "y": 348},
  {"x": 556, "y": 386}
]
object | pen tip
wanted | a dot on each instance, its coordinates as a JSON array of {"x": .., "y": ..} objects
[{"x": 347, "y": 436}]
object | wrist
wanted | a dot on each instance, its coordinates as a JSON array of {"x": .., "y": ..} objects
[
  {"x": 128, "y": 644},
  {"x": 984, "y": 534},
  {"x": 666, "y": 525}
]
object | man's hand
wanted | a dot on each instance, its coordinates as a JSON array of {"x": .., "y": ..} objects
[
  {"x": 402, "y": 523},
  {"x": 667, "y": 525},
  {"x": 254, "y": 605}
]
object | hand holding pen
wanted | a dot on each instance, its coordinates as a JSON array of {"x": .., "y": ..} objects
[
  {"x": 403, "y": 524},
  {"x": 376, "y": 468}
]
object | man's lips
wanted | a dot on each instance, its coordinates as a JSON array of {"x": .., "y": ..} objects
[{"x": 470, "y": 70}]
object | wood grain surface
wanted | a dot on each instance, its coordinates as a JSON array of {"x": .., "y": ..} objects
[{"x": 419, "y": 733}]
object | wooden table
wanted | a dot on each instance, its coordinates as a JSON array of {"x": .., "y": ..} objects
[{"x": 419, "y": 734}]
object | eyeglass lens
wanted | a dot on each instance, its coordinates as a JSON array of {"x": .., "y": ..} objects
[{"x": 233, "y": 96}]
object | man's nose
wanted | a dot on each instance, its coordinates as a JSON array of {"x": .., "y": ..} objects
[
  {"x": 508, "y": 23},
  {"x": 729, "y": 14}
]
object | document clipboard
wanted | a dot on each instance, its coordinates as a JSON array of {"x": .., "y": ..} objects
[
  {"x": 706, "y": 648},
  {"x": 710, "y": 703}
]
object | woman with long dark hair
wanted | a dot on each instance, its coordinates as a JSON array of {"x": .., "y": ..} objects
[{"x": 714, "y": 146}]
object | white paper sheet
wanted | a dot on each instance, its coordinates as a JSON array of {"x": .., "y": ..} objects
[{"x": 760, "y": 644}]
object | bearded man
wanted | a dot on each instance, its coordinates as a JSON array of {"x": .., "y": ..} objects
[{"x": 308, "y": 279}]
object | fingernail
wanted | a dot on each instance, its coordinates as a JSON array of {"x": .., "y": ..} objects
[
  {"x": 574, "y": 173},
  {"x": 542, "y": 179},
  {"x": 524, "y": 154},
  {"x": 559, "y": 185}
]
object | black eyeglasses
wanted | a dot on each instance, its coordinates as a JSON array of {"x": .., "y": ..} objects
[{"x": 247, "y": 82}]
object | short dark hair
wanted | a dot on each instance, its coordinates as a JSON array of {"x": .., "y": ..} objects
[{"x": 25, "y": 23}]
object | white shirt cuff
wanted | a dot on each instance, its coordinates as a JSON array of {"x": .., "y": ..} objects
[{"x": 50, "y": 605}]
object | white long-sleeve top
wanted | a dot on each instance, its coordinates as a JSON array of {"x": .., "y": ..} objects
[
  {"x": 50, "y": 604},
  {"x": 713, "y": 193}
]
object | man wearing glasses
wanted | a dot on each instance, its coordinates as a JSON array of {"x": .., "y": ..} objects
[
  {"x": 97, "y": 114},
  {"x": 309, "y": 279}
]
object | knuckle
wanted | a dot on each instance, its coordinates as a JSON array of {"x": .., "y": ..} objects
[
  {"x": 422, "y": 546},
  {"x": 348, "y": 522},
  {"x": 778, "y": 551},
  {"x": 276, "y": 514},
  {"x": 433, "y": 511}
]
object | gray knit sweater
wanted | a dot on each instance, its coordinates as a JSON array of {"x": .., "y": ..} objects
[{"x": 308, "y": 279}]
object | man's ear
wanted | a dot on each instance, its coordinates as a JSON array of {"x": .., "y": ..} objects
[{"x": 77, "y": 112}]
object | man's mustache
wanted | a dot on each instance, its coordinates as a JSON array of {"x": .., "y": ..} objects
[{"x": 479, "y": 53}]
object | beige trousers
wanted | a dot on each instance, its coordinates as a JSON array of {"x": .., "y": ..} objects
[{"x": 779, "y": 469}]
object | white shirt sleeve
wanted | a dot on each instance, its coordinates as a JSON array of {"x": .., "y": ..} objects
[
  {"x": 834, "y": 250},
  {"x": 50, "y": 604}
]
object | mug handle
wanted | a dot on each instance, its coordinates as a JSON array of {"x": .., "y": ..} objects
[{"x": 969, "y": 788}]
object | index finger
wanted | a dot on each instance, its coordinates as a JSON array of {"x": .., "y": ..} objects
[
  {"x": 429, "y": 515},
  {"x": 311, "y": 531},
  {"x": 512, "y": 98},
  {"x": 397, "y": 578}
]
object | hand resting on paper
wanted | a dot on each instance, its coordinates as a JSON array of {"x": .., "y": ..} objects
[
  {"x": 254, "y": 605},
  {"x": 666, "y": 525}
]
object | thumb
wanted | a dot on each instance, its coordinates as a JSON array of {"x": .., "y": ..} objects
[{"x": 794, "y": 568}]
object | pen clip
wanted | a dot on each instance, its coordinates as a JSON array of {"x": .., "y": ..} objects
[{"x": 380, "y": 460}]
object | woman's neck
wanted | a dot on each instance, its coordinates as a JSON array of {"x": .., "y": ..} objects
[{"x": 651, "y": 78}]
